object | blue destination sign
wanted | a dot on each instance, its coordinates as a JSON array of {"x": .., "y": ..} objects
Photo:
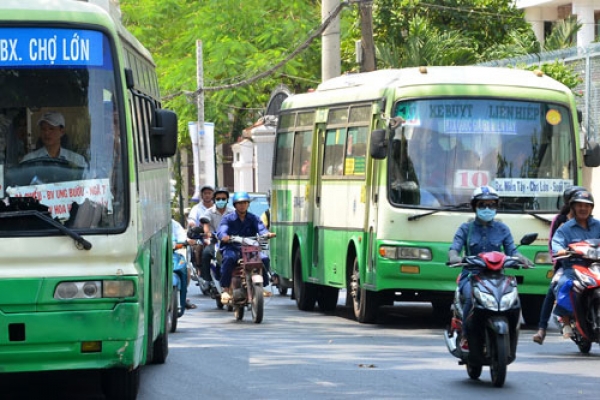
[{"x": 48, "y": 47}]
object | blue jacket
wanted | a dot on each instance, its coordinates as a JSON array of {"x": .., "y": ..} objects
[
  {"x": 232, "y": 225},
  {"x": 475, "y": 238},
  {"x": 571, "y": 232}
]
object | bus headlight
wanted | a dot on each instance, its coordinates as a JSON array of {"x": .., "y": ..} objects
[
  {"x": 542, "y": 257},
  {"x": 93, "y": 289},
  {"x": 405, "y": 253}
]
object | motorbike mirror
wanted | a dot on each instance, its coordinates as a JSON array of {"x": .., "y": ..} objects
[
  {"x": 204, "y": 220},
  {"x": 197, "y": 229},
  {"x": 528, "y": 238}
]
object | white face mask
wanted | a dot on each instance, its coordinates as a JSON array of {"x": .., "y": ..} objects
[{"x": 221, "y": 203}]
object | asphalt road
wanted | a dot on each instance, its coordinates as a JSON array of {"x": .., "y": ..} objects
[{"x": 301, "y": 355}]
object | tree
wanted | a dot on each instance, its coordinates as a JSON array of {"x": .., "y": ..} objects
[{"x": 240, "y": 39}]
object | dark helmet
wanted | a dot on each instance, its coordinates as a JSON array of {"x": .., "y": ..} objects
[
  {"x": 221, "y": 190},
  {"x": 582, "y": 196},
  {"x": 206, "y": 187},
  {"x": 484, "y": 193},
  {"x": 240, "y": 196},
  {"x": 570, "y": 191}
]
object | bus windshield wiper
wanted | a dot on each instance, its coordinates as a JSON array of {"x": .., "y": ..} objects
[
  {"x": 81, "y": 242},
  {"x": 450, "y": 208},
  {"x": 537, "y": 216}
]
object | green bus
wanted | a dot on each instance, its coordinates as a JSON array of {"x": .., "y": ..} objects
[
  {"x": 373, "y": 174},
  {"x": 86, "y": 267}
]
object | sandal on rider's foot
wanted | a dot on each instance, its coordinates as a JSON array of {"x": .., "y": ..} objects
[
  {"x": 266, "y": 293},
  {"x": 567, "y": 331},
  {"x": 540, "y": 336},
  {"x": 225, "y": 297},
  {"x": 189, "y": 305}
]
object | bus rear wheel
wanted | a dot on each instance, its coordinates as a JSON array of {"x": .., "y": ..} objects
[
  {"x": 304, "y": 292},
  {"x": 121, "y": 383},
  {"x": 365, "y": 303}
]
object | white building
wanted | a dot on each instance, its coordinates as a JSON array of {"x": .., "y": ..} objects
[{"x": 542, "y": 13}]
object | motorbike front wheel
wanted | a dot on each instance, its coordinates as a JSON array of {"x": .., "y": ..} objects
[
  {"x": 499, "y": 356},
  {"x": 258, "y": 303},
  {"x": 474, "y": 371}
]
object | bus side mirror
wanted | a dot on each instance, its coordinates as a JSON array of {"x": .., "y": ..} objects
[
  {"x": 378, "y": 144},
  {"x": 591, "y": 155},
  {"x": 163, "y": 134}
]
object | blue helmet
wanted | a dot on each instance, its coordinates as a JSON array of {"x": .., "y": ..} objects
[{"x": 240, "y": 196}]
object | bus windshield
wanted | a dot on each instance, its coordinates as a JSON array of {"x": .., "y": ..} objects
[
  {"x": 60, "y": 136},
  {"x": 444, "y": 148}
]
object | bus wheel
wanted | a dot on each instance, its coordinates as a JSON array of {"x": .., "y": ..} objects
[
  {"x": 327, "y": 298},
  {"x": 364, "y": 301},
  {"x": 174, "y": 310},
  {"x": 304, "y": 292},
  {"x": 121, "y": 383}
]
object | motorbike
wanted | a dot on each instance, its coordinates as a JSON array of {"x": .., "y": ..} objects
[
  {"x": 494, "y": 320},
  {"x": 179, "y": 292},
  {"x": 247, "y": 279},
  {"x": 584, "y": 293},
  {"x": 210, "y": 287}
]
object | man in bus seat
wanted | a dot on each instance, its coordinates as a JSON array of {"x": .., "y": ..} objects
[
  {"x": 239, "y": 223},
  {"x": 210, "y": 223},
  {"x": 404, "y": 183},
  {"x": 512, "y": 162},
  {"x": 52, "y": 131}
]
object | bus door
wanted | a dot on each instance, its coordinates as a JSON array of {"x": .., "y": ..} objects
[{"x": 317, "y": 210}]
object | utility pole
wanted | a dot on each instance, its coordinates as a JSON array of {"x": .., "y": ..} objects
[
  {"x": 368, "y": 62},
  {"x": 331, "y": 58}
]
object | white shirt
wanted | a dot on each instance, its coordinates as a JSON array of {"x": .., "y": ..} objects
[{"x": 68, "y": 155}]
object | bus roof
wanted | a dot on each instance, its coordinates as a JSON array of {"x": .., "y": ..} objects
[{"x": 374, "y": 85}]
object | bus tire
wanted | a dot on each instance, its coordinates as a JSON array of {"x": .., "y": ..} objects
[
  {"x": 121, "y": 383},
  {"x": 327, "y": 298},
  {"x": 174, "y": 310},
  {"x": 160, "y": 349},
  {"x": 304, "y": 292},
  {"x": 364, "y": 301}
]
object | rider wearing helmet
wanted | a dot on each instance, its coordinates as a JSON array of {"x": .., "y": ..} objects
[
  {"x": 564, "y": 215},
  {"x": 239, "y": 223},
  {"x": 210, "y": 223},
  {"x": 581, "y": 227},
  {"x": 474, "y": 237}
]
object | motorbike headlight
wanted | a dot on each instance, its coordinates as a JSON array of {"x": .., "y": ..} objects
[
  {"x": 509, "y": 300},
  {"x": 486, "y": 299}
]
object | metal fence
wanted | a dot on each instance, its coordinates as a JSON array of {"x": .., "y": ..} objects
[{"x": 586, "y": 63}]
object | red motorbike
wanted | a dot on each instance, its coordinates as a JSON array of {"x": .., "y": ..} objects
[{"x": 585, "y": 292}]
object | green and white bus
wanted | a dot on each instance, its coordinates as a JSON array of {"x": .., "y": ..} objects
[
  {"x": 374, "y": 172},
  {"x": 86, "y": 265}
]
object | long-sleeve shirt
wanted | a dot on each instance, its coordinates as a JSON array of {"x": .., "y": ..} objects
[
  {"x": 232, "y": 225},
  {"x": 475, "y": 237},
  {"x": 571, "y": 232}
]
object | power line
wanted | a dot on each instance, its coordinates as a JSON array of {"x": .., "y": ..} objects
[{"x": 268, "y": 72}]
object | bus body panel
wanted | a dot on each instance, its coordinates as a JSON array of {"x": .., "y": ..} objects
[{"x": 354, "y": 213}]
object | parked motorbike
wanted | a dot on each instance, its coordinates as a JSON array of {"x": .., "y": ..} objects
[
  {"x": 494, "y": 320},
  {"x": 585, "y": 293},
  {"x": 179, "y": 293},
  {"x": 247, "y": 279}
]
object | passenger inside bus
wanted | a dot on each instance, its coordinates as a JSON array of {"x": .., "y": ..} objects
[{"x": 52, "y": 130}]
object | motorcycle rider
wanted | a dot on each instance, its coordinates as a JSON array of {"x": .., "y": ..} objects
[
  {"x": 206, "y": 194},
  {"x": 581, "y": 227},
  {"x": 566, "y": 213},
  {"x": 476, "y": 236},
  {"x": 210, "y": 223},
  {"x": 240, "y": 223}
]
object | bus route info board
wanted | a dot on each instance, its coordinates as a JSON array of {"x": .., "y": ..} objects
[{"x": 61, "y": 195}]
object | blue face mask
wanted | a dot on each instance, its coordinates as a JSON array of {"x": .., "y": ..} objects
[
  {"x": 221, "y": 203},
  {"x": 486, "y": 214}
]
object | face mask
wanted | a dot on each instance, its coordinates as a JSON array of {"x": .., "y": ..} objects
[
  {"x": 221, "y": 203},
  {"x": 486, "y": 214}
]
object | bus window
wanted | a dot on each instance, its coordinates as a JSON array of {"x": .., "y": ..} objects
[
  {"x": 302, "y": 153},
  {"x": 284, "y": 153},
  {"x": 333, "y": 157},
  {"x": 356, "y": 151}
]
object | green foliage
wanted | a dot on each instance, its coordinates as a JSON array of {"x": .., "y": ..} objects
[{"x": 239, "y": 41}]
